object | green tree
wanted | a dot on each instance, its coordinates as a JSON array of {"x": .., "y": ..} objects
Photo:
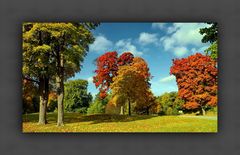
[
  {"x": 99, "y": 104},
  {"x": 62, "y": 48},
  {"x": 170, "y": 103},
  {"x": 38, "y": 66},
  {"x": 76, "y": 97},
  {"x": 210, "y": 34}
]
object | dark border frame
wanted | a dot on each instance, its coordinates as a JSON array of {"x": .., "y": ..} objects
[{"x": 13, "y": 13}]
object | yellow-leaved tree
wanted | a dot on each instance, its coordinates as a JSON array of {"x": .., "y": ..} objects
[{"x": 132, "y": 82}]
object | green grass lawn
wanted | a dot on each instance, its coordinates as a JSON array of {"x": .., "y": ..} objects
[{"x": 75, "y": 122}]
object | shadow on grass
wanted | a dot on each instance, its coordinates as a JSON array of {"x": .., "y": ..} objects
[{"x": 94, "y": 119}]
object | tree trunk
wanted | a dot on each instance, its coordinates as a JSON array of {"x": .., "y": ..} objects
[
  {"x": 60, "y": 90},
  {"x": 203, "y": 112},
  {"x": 148, "y": 110},
  {"x": 129, "y": 107},
  {"x": 122, "y": 110},
  {"x": 44, "y": 91}
]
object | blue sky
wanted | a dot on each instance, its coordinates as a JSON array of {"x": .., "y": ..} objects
[{"x": 157, "y": 43}]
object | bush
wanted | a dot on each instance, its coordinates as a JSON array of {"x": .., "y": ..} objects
[
  {"x": 170, "y": 104},
  {"x": 96, "y": 108},
  {"x": 82, "y": 110},
  {"x": 169, "y": 111}
]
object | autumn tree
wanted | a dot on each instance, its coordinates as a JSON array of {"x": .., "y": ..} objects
[
  {"x": 107, "y": 67},
  {"x": 196, "y": 77},
  {"x": 58, "y": 49},
  {"x": 131, "y": 81},
  {"x": 37, "y": 63},
  {"x": 146, "y": 103},
  {"x": 210, "y": 34},
  {"x": 29, "y": 95}
]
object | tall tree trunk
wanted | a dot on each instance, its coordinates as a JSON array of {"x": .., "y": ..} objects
[
  {"x": 129, "y": 107},
  {"x": 60, "y": 90},
  {"x": 203, "y": 112},
  {"x": 44, "y": 91}
]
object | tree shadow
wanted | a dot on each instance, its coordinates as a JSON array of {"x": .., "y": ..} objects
[
  {"x": 93, "y": 119},
  {"x": 107, "y": 118}
]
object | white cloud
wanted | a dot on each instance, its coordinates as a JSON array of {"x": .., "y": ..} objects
[
  {"x": 147, "y": 38},
  {"x": 171, "y": 29},
  {"x": 167, "y": 42},
  {"x": 90, "y": 80},
  {"x": 168, "y": 79},
  {"x": 163, "y": 26},
  {"x": 125, "y": 45},
  {"x": 180, "y": 51},
  {"x": 101, "y": 44},
  {"x": 183, "y": 35},
  {"x": 158, "y": 25}
]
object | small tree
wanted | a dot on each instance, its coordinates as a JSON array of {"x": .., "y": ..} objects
[{"x": 76, "y": 98}]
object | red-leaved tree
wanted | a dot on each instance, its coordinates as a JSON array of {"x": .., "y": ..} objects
[
  {"x": 196, "y": 78},
  {"x": 107, "y": 67}
]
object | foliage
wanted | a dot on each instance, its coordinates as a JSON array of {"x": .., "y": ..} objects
[
  {"x": 196, "y": 77},
  {"x": 107, "y": 67},
  {"x": 146, "y": 104},
  {"x": 125, "y": 59},
  {"x": 132, "y": 82},
  {"x": 52, "y": 102},
  {"x": 98, "y": 105},
  {"x": 115, "y": 104},
  {"x": 30, "y": 96},
  {"x": 96, "y": 108},
  {"x": 211, "y": 35},
  {"x": 43, "y": 41},
  {"x": 54, "y": 50},
  {"x": 212, "y": 50},
  {"x": 170, "y": 103},
  {"x": 77, "y": 99}
]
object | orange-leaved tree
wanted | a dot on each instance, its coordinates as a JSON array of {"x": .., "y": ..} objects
[{"x": 196, "y": 78}]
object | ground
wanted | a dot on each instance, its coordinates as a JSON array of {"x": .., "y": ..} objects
[{"x": 75, "y": 122}]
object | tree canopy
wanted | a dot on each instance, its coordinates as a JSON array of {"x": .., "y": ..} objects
[
  {"x": 196, "y": 77},
  {"x": 76, "y": 97},
  {"x": 210, "y": 34},
  {"x": 54, "y": 50},
  {"x": 107, "y": 67},
  {"x": 131, "y": 82}
]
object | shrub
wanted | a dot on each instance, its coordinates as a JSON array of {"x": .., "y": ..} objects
[{"x": 96, "y": 108}]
